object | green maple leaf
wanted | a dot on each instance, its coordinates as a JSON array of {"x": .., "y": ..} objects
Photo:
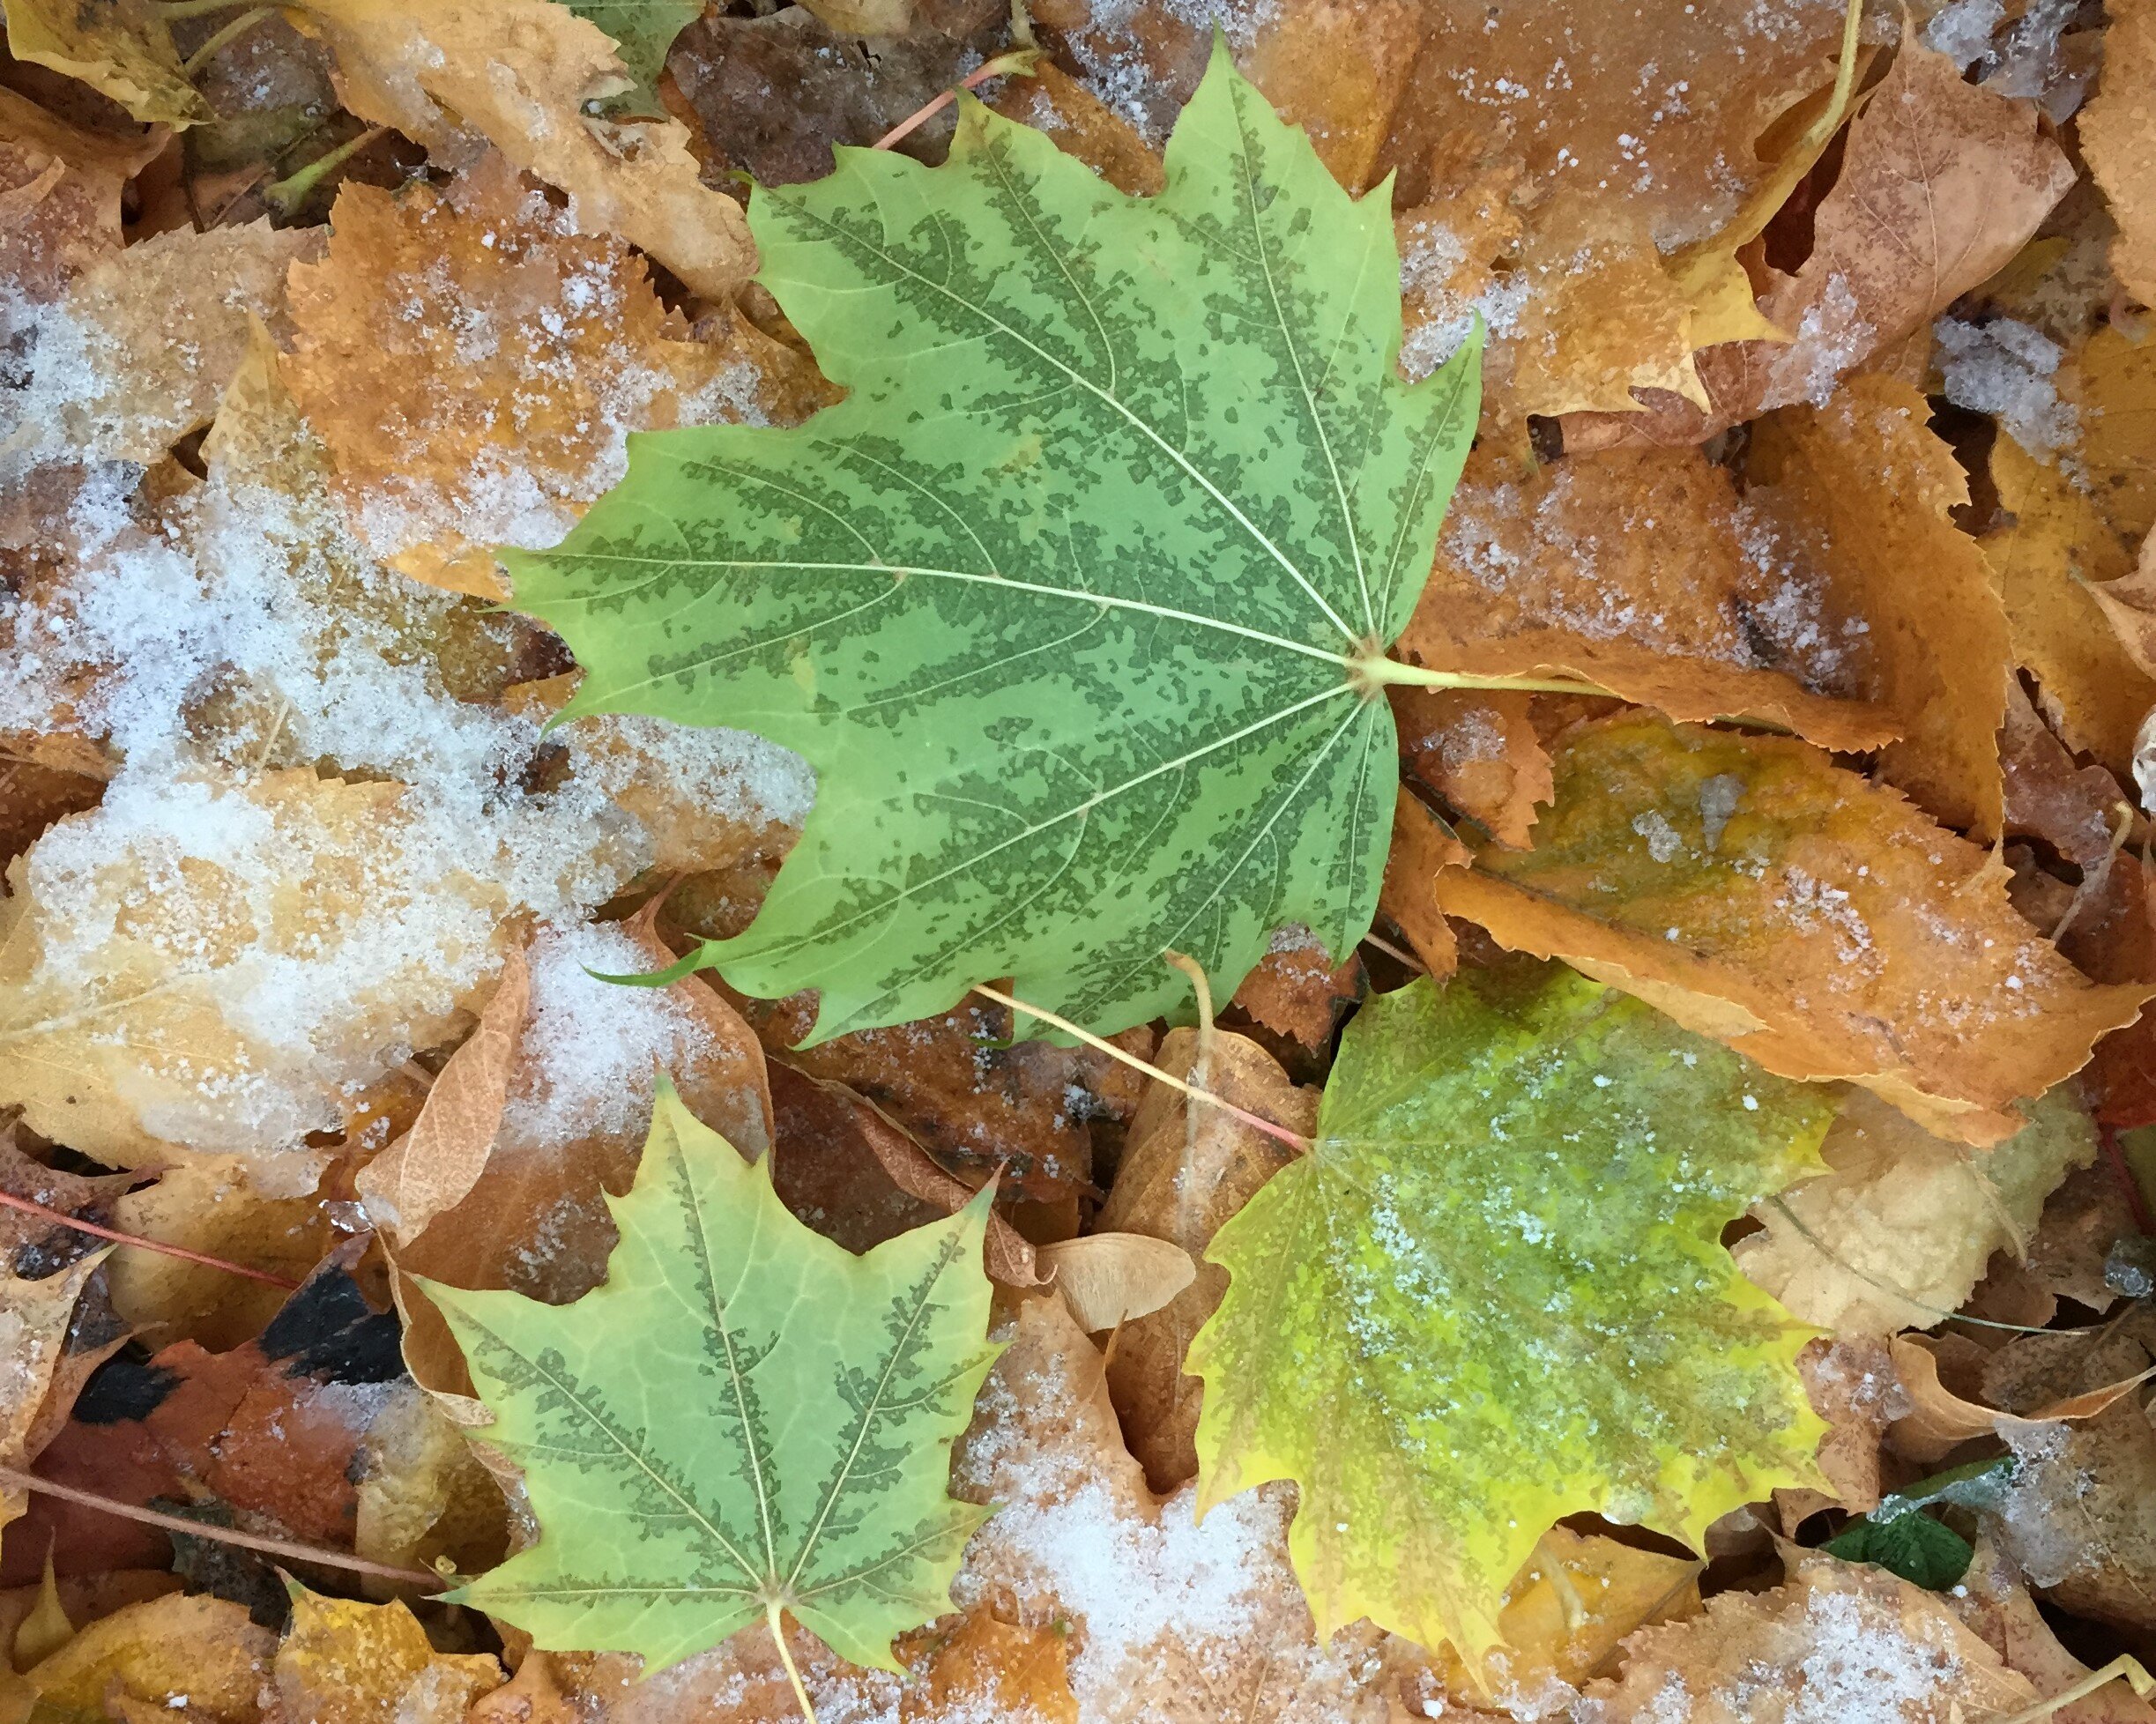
[
  {"x": 1078, "y": 602},
  {"x": 642, "y": 31},
  {"x": 1494, "y": 1295},
  {"x": 745, "y": 1418}
]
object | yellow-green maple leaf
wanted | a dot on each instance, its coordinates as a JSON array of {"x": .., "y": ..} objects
[{"x": 1495, "y": 1294}]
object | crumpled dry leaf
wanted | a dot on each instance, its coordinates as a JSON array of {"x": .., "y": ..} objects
[
  {"x": 2129, "y": 605},
  {"x": 309, "y": 1431},
  {"x": 1640, "y": 569},
  {"x": 1834, "y": 1640},
  {"x": 1298, "y": 994},
  {"x": 1084, "y": 126},
  {"x": 134, "y": 964},
  {"x": 1478, "y": 750},
  {"x": 122, "y": 47},
  {"x": 1992, "y": 1600},
  {"x": 1862, "y": 489},
  {"x": 1109, "y": 1279},
  {"x": 212, "y": 1204},
  {"x": 59, "y": 196},
  {"x": 526, "y": 1207},
  {"x": 2079, "y": 1514},
  {"x": 986, "y": 1667},
  {"x": 1942, "y": 183},
  {"x": 474, "y": 365},
  {"x": 1852, "y": 1385},
  {"x": 2057, "y": 554},
  {"x": 204, "y": 1649},
  {"x": 524, "y": 74},
  {"x": 52, "y": 1339},
  {"x": 2076, "y": 809},
  {"x": 1939, "y": 1421},
  {"x": 2118, "y": 136},
  {"x": 1423, "y": 848},
  {"x": 1338, "y": 69},
  {"x": 1187, "y": 1168},
  {"x": 137, "y": 352},
  {"x": 1810, "y": 919},
  {"x": 341, "y": 1661},
  {"x": 1900, "y": 1231}
]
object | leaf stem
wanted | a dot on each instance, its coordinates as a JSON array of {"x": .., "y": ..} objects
[
  {"x": 2125, "y": 1665},
  {"x": 286, "y": 195},
  {"x": 1256, "y": 1122},
  {"x": 786, "y": 1657},
  {"x": 225, "y": 35},
  {"x": 172, "y": 9},
  {"x": 1381, "y": 671},
  {"x": 96, "y": 1232},
  {"x": 1019, "y": 61},
  {"x": 174, "y": 1523}
]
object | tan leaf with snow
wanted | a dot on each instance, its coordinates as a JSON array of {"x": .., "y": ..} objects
[
  {"x": 1862, "y": 490},
  {"x": 1639, "y": 570},
  {"x": 60, "y": 191},
  {"x": 1478, "y": 750},
  {"x": 1815, "y": 921},
  {"x": 525, "y": 75},
  {"x": 474, "y": 364},
  {"x": 1897, "y": 1234},
  {"x": 1834, "y": 1640}
]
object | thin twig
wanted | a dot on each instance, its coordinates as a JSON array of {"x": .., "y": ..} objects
[
  {"x": 96, "y": 1232},
  {"x": 225, "y": 37},
  {"x": 1396, "y": 955},
  {"x": 1256, "y": 1122},
  {"x": 174, "y": 1523}
]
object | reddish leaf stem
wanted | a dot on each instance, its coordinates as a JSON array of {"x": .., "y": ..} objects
[
  {"x": 1019, "y": 61},
  {"x": 174, "y": 1523},
  {"x": 96, "y": 1232}
]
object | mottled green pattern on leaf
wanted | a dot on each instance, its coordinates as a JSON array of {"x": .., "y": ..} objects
[
  {"x": 1065, "y": 602},
  {"x": 643, "y": 30},
  {"x": 744, "y": 1414},
  {"x": 121, "y": 48},
  {"x": 1495, "y": 1295}
]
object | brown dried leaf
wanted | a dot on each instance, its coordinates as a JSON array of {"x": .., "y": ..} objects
[
  {"x": 2118, "y": 136},
  {"x": 138, "y": 351},
  {"x": 1940, "y": 1421},
  {"x": 2129, "y": 605},
  {"x": 1338, "y": 69},
  {"x": 1897, "y": 1234},
  {"x": 59, "y": 196},
  {"x": 2110, "y": 386},
  {"x": 527, "y": 75},
  {"x": 1297, "y": 993},
  {"x": 1814, "y": 921},
  {"x": 2052, "y": 561},
  {"x": 1478, "y": 750},
  {"x": 1084, "y": 126},
  {"x": 1422, "y": 849},
  {"x": 1992, "y": 1600},
  {"x": 1836, "y": 1639},
  {"x": 2075, "y": 809},
  {"x": 474, "y": 365},
  {"x": 204, "y": 1649},
  {"x": 1640, "y": 571},
  {"x": 49, "y": 1356},
  {"x": 1862, "y": 489},
  {"x": 343, "y": 1661},
  {"x": 1187, "y": 1168},
  {"x": 434, "y": 1165},
  {"x": 1851, "y": 1384},
  {"x": 1109, "y": 1279},
  {"x": 2075, "y": 1517}
]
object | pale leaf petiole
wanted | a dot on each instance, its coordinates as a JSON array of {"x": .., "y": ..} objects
[{"x": 775, "y": 1617}]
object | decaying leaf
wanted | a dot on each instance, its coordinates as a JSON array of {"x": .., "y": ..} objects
[
  {"x": 122, "y": 47},
  {"x": 1812, "y": 920},
  {"x": 1423, "y": 848},
  {"x": 1641, "y": 570},
  {"x": 204, "y": 1649},
  {"x": 2118, "y": 134},
  {"x": 474, "y": 364},
  {"x": 341, "y": 1661},
  {"x": 2054, "y": 559},
  {"x": 1834, "y": 1640},
  {"x": 1186, "y": 1168},
  {"x": 524, "y": 74},
  {"x": 1478, "y": 750},
  {"x": 1862, "y": 489},
  {"x": 1057, "y": 647},
  {"x": 138, "y": 350},
  {"x": 864, "y": 1367},
  {"x": 1897, "y": 1234},
  {"x": 1518, "y": 1169},
  {"x": 60, "y": 189},
  {"x": 47, "y": 1361},
  {"x": 2076, "y": 1515},
  {"x": 1109, "y": 1279}
]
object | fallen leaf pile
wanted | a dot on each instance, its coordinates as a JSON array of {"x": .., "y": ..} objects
[{"x": 1299, "y": 868}]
